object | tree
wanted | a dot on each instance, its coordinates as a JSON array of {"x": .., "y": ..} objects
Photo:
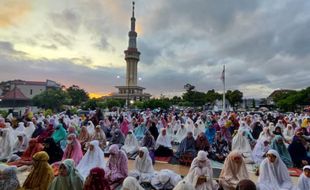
[
  {"x": 51, "y": 99},
  {"x": 212, "y": 96},
  {"x": 197, "y": 98},
  {"x": 234, "y": 97},
  {"x": 77, "y": 95}
]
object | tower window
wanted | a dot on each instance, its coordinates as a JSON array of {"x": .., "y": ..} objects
[{"x": 30, "y": 91}]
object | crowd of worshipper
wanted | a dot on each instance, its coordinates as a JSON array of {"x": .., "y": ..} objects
[{"x": 65, "y": 151}]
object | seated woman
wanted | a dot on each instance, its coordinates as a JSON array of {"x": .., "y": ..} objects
[
  {"x": 148, "y": 141},
  {"x": 73, "y": 149},
  {"x": 99, "y": 136},
  {"x": 90, "y": 128},
  {"x": 241, "y": 144},
  {"x": 131, "y": 183},
  {"x": 304, "y": 179},
  {"x": 298, "y": 151},
  {"x": 266, "y": 134},
  {"x": 288, "y": 133},
  {"x": 94, "y": 157},
  {"x": 260, "y": 150},
  {"x": 131, "y": 146},
  {"x": 184, "y": 185},
  {"x": 143, "y": 168},
  {"x": 219, "y": 149},
  {"x": 117, "y": 166},
  {"x": 165, "y": 179},
  {"x": 96, "y": 180},
  {"x": 187, "y": 146},
  {"x": 234, "y": 170},
  {"x": 41, "y": 175},
  {"x": 59, "y": 134},
  {"x": 180, "y": 135},
  {"x": 84, "y": 138},
  {"x": 201, "y": 174},
  {"x": 273, "y": 174},
  {"x": 47, "y": 133},
  {"x": 26, "y": 158},
  {"x": 139, "y": 131},
  {"x": 68, "y": 178},
  {"x": 21, "y": 144},
  {"x": 278, "y": 145},
  {"x": 163, "y": 145},
  {"x": 38, "y": 131},
  {"x": 53, "y": 150},
  {"x": 29, "y": 129},
  {"x": 202, "y": 143},
  {"x": 8, "y": 178},
  {"x": 6, "y": 144},
  {"x": 117, "y": 138}
]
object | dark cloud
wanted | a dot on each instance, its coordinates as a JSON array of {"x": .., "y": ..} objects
[
  {"x": 67, "y": 19},
  {"x": 61, "y": 39}
]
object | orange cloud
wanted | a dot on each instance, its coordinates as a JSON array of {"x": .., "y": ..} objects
[{"x": 11, "y": 11}]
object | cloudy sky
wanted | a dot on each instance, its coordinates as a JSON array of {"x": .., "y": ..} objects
[{"x": 264, "y": 44}]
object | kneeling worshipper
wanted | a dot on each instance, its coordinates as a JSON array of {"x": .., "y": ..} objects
[
  {"x": 143, "y": 170},
  {"x": 6, "y": 144},
  {"x": 8, "y": 178},
  {"x": 184, "y": 185},
  {"x": 298, "y": 151},
  {"x": 260, "y": 150},
  {"x": 53, "y": 150},
  {"x": 273, "y": 174},
  {"x": 148, "y": 141},
  {"x": 117, "y": 138},
  {"x": 163, "y": 145},
  {"x": 187, "y": 146},
  {"x": 38, "y": 131},
  {"x": 234, "y": 170},
  {"x": 180, "y": 135},
  {"x": 139, "y": 131},
  {"x": 219, "y": 149},
  {"x": 84, "y": 138},
  {"x": 47, "y": 133},
  {"x": 201, "y": 174},
  {"x": 288, "y": 133},
  {"x": 266, "y": 134},
  {"x": 117, "y": 166},
  {"x": 21, "y": 144},
  {"x": 26, "y": 158},
  {"x": 165, "y": 179},
  {"x": 131, "y": 183},
  {"x": 246, "y": 184},
  {"x": 278, "y": 145},
  {"x": 241, "y": 144},
  {"x": 29, "y": 129},
  {"x": 202, "y": 143},
  {"x": 99, "y": 136},
  {"x": 73, "y": 149},
  {"x": 68, "y": 177},
  {"x": 304, "y": 179},
  {"x": 96, "y": 180},
  {"x": 41, "y": 175},
  {"x": 59, "y": 134},
  {"x": 94, "y": 157},
  {"x": 131, "y": 146}
]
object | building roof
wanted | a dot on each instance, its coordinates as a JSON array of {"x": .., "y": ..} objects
[
  {"x": 38, "y": 83},
  {"x": 277, "y": 92},
  {"x": 14, "y": 94}
]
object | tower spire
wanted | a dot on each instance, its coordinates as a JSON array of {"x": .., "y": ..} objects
[
  {"x": 132, "y": 33},
  {"x": 133, "y": 9}
]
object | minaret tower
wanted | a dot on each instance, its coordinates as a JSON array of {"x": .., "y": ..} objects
[{"x": 132, "y": 55}]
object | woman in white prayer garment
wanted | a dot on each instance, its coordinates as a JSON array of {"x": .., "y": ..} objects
[
  {"x": 29, "y": 129},
  {"x": 143, "y": 170},
  {"x": 165, "y": 179},
  {"x": 131, "y": 183},
  {"x": 304, "y": 179},
  {"x": 273, "y": 173},
  {"x": 201, "y": 174},
  {"x": 184, "y": 185},
  {"x": 241, "y": 144},
  {"x": 94, "y": 157},
  {"x": 131, "y": 146},
  {"x": 180, "y": 135},
  {"x": 7, "y": 141},
  {"x": 260, "y": 150}
]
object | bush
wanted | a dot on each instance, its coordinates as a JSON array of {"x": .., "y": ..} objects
[{"x": 4, "y": 113}]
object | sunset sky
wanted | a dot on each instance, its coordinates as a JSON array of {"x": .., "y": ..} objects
[{"x": 264, "y": 44}]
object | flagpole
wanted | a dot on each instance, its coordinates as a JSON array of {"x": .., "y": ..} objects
[{"x": 224, "y": 91}]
